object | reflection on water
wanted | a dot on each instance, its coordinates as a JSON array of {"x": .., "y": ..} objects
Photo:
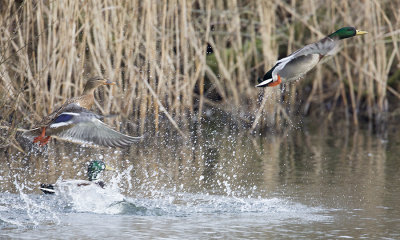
[{"x": 328, "y": 182}]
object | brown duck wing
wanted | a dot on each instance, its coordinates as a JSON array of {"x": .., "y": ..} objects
[
  {"x": 78, "y": 124},
  {"x": 47, "y": 119},
  {"x": 68, "y": 106},
  {"x": 86, "y": 127}
]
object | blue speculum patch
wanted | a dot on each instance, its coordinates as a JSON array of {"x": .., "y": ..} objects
[{"x": 63, "y": 118}]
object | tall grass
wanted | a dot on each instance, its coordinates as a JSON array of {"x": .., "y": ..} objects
[{"x": 175, "y": 59}]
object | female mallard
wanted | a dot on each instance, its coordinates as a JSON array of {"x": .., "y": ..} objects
[
  {"x": 74, "y": 121},
  {"x": 303, "y": 60},
  {"x": 95, "y": 168}
]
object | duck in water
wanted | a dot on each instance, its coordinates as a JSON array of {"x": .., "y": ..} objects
[{"x": 94, "y": 171}]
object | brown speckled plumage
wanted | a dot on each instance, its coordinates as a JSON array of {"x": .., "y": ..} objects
[
  {"x": 83, "y": 102},
  {"x": 86, "y": 100},
  {"x": 74, "y": 121}
]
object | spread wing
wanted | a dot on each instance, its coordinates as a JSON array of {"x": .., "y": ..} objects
[
  {"x": 81, "y": 125},
  {"x": 326, "y": 46},
  {"x": 90, "y": 129}
]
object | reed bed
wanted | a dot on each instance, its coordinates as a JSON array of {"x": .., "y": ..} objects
[{"x": 175, "y": 60}]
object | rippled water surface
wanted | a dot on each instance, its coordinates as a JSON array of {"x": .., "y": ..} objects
[{"x": 325, "y": 183}]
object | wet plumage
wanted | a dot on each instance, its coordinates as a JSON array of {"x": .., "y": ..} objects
[{"x": 95, "y": 168}]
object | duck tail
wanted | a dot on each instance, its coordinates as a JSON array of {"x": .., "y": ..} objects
[
  {"x": 47, "y": 188},
  {"x": 267, "y": 78},
  {"x": 30, "y": 134},
  {"x": 263, "y": 83}
]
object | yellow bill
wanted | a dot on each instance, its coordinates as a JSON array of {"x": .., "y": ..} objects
[
  {"x": 109, "y": 168},
  {"x": 359, "y": 32}
]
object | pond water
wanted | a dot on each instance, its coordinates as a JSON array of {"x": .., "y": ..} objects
[{"x": 329, "y": 182}]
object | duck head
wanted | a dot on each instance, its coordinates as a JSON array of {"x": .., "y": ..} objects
[
  {"x": 95, "y": 168},
  {"x": 346, "y": 32},
  {"x": 95, "y": 82}
]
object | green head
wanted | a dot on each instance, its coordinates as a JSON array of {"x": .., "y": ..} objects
[
  {"x": 346, "y": 32},
  {"x": 95, "y": 168}
]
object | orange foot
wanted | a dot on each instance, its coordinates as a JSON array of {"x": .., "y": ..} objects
[
  {"x": 41, "y": 138},
  {"x": 276, "y": 83},
  {"x": 44, "y": 141}
]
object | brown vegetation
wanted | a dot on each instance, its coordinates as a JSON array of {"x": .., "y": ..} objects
[{"x": 157, "y": 53}]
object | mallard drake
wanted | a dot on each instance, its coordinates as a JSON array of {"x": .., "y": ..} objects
[
  {"x": 73, "y": 121},
  {"x": 303, "y": 60},
  {"x": 95, "y": 168}
]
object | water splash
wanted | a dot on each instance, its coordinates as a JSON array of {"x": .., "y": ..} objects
[
  {"x": 90, "y": 198},
  {"x": 25, "y": 210}
]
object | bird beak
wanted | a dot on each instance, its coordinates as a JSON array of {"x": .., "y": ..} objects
[
  {"x": 359, "y": 32},
  {"x": 109, "y": 168},
  {"x": 108, "y": 82}
]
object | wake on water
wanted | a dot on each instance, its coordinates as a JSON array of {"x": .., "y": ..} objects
[
  {"x": 28, "y": 210},
  {"x": 33, "y": 210}
]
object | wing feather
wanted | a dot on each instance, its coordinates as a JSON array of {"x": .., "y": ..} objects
[
  {"x": 81, "y": 125},
  {"x": 326, "y": 46},
  {"x": 92, "y": 130}
]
